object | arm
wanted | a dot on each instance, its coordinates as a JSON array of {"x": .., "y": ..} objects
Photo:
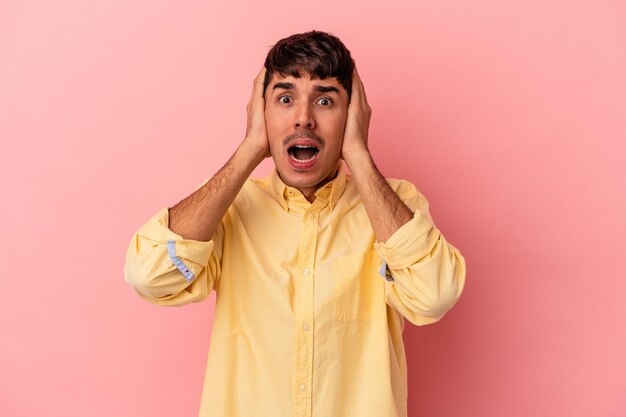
[
  {"x": 197, "y": 216},
  {"x": 386, "y": 212},
  {"x": 425, "y": 275},
  {"x": 174, "y": 258}
]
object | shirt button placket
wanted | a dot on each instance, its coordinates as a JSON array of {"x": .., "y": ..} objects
[{"x": 304, "y": 354}]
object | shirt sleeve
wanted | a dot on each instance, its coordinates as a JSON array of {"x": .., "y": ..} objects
[
  {"x": 165, "y": 269},
  {"x": 424, "y": 274}
]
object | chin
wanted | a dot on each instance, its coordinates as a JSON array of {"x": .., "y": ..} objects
[{"x": 305, "y": 179}]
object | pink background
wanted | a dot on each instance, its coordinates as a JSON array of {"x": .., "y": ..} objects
[{"x": 509, "y": 116}]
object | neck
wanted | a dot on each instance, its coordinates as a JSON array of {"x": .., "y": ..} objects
[{"x": 309, "y": 192}]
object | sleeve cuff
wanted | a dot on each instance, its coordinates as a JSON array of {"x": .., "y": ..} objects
[
  {"x": 186, "y": 271},
  {"x": 385, "y": 272},
  {"x": 193, "y": 250},
  {"x": 411, "y": 242}
]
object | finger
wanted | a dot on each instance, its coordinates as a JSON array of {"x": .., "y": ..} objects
[
  {"x": 356, "y": 93},
  {"x": 257, "y": 84},
  {"x": 260, "y": 78},
  {"x": 360, "y": 86}
]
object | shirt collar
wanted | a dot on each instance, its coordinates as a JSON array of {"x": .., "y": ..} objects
[{"x": 291, "y": 199}]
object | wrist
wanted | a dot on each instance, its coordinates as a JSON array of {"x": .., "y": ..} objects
[
  {"x": 252, "y": 151},
  {"x": 248, "y": 156},
  {"x": 357, "y": 156}
]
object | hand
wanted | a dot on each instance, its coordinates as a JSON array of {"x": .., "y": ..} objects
[
  {"x": 256, "y": 131},
  {"x": 357, "y": 123}
]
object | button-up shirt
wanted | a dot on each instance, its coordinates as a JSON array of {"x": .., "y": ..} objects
[{"x": 310, "y": 308}]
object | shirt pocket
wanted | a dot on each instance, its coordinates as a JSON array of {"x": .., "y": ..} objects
[{"x": 358, "y": 290}]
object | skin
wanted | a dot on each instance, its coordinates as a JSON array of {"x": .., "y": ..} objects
[
  {"x": 298, "y": 105},
  {"x": 283, "y": 113}
]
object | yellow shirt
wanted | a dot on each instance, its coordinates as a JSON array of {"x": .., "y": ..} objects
[{"x": 310, "y": 308}]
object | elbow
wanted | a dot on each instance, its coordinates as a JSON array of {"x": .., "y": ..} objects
[
  {"x": 432, "y": 306},
  {"x": 166, "y": 271},
  {"x": 430, "y": 311},
  {"x": 154, "y": 278},
  {"x": 451, "y": 287},
  {"x": 143, "y": 281},
  {"x": 441, "y": 305},
  {"x": 163, "y": 284},
  {"x": 169, "y": 289},
  {"x": 451, "y": 280}
]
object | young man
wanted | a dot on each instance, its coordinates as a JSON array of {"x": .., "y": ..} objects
[{"x": 314, "y": 268}]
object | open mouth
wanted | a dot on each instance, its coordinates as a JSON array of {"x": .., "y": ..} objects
[{"x": 303, "y": 153}]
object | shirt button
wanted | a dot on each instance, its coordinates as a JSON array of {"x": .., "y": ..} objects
[
  {"x": 306, "y": 272},
  {"x": 306, "y": 327},
  {"x": 302, "y": 387}
]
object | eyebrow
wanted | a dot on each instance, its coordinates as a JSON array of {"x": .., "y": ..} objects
[
  {"x": 318, "y": 88},
  {"x": 326, "y": 88},
  {"x": 285, "y": 86}
]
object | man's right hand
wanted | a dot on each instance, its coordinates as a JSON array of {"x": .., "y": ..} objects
[{"x": 256, "y": 131}]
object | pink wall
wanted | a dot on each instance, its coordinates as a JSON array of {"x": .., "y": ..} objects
[{"x": 509, "y": 116}]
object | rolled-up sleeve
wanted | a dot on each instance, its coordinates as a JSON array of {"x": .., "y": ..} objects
[
  {"x": 424, "y": 275},
  {"x": 165, "y": 269}
]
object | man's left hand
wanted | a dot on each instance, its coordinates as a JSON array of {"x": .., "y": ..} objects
[{"x": 357, "y": 123}]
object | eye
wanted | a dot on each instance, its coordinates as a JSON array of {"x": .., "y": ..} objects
[
  {"x": 325, "y": 101},
  {"x": 284, "y": 99}
]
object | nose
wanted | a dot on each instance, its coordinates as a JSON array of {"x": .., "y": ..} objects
[{"x": 304, "y": 117}]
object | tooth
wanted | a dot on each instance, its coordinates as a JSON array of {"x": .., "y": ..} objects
[{"x": 302, "y": 160}]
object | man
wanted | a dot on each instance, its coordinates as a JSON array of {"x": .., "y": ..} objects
[{"x": 314, "y": 268}]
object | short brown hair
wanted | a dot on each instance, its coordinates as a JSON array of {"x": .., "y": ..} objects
[{"x": 317, "y": 53}]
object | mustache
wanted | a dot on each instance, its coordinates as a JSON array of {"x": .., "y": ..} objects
[{"x": 305, "y": 134}]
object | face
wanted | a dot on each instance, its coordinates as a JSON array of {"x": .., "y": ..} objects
[{"x": 305, "y": 120}]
